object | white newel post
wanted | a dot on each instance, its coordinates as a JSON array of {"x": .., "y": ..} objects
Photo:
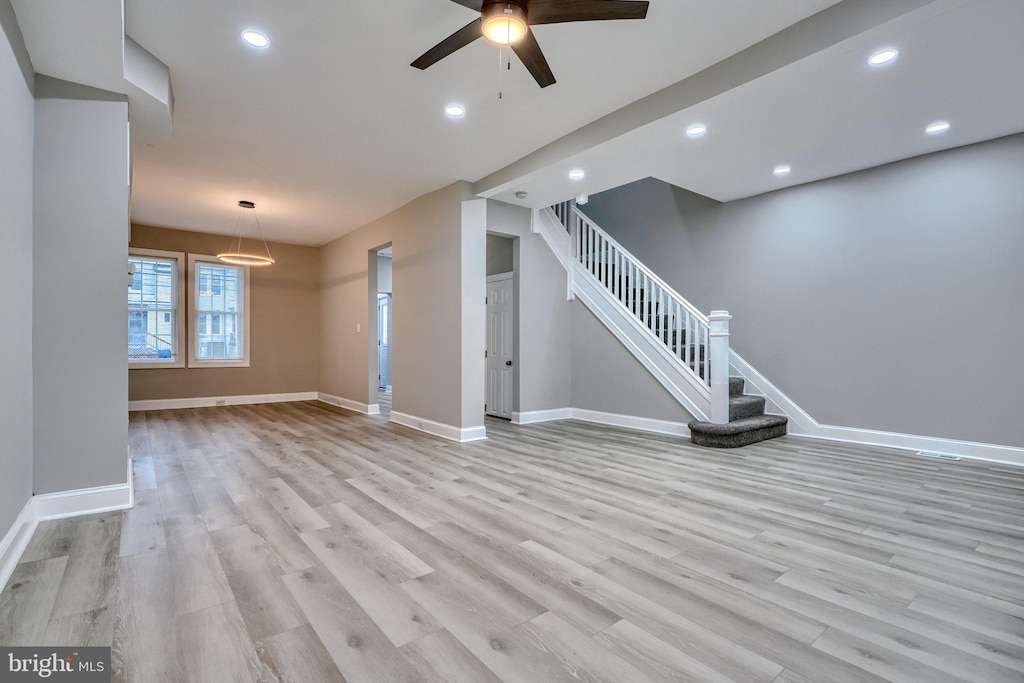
[{"x": 719, "y": 357}]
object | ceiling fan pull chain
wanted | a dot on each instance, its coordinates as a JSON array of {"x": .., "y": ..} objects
[{"x": 501, "y": 59}]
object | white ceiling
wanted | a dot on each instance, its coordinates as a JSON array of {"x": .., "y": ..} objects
[
  {"x": 825, "y": 115},
  {"x": 331, "y": 128}
]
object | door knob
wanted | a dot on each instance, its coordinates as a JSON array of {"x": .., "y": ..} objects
[{"x": 508, "y": 362}]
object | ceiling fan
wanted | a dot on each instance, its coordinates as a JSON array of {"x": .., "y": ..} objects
[{"x": 507, "y": 22}]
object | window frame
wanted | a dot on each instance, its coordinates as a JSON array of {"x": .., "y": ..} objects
[
  {"x": 194, "y": 260},
  {"x": 178, "y": 361}
]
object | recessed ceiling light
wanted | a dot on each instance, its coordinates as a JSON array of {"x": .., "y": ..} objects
[
  {"x": 576, "y": 174},
  {"x": 255, "y": 38},
  {"x": 696, "y": 130},
  {"x": 937, "y": 128},
  {"x": 455, "y": 111},
  {"x": 782, "y": 170},
  {"x": 883, "y": 56}
]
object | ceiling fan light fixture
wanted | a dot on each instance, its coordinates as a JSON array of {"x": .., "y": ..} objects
[{"x": 504, "y": 23}]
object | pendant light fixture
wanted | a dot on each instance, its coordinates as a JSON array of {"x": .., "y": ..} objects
[{"x": 242, "y": 258}]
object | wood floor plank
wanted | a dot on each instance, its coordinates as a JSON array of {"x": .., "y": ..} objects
[
  {"x": 511, "y": 567},
  {"x": 145, "y": 638},
  {"x": 215, "y": 505},
  {"x": 715, "y": 650},
  {"x": 297, "y": 656},
  {"x": 142, "y": 527},
  {"x": 213, "y": 646},
  {"x": 27, "y": 602},
  {"x": 879, "y": 661},
  {"x": 197, "y": 577},
  {"x": 297, "y": 512},
  {"x": 288, "y": 552},
  {"x": 440, "y": 658},
  {"x": 91, "y": 572},
  {"x": 371, "y": 576},
  {"x": 359, "y": 649},
  {"x": 657, "y": 659},
  {"x": 265, "y": 605}
]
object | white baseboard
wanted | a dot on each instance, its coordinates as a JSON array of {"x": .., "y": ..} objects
[
  {"x": 802, "y": 424},
  {"x": 445, "y": 431},
  {"x": 59, "y": 505},
  {"x": 16, "y": 540},
  {"x": 349, "y": 404},
  {"x": 535, "y": 416},
  {"x": 971, "y": 450},
  {"x": 212, "y": 401},
  {"x": 643, "y": 424},
  {"x": 89, "y": 501}
]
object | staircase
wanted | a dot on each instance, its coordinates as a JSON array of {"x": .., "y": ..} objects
[
  {"x": 747, "y": 422},
  {"x": 683, "y": 349}
]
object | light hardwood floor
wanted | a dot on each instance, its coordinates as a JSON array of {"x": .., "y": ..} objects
[{"x": 296, "y": 542}]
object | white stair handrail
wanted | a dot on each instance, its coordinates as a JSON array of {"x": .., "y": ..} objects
[
  {"x": 639, "y": 265},
  {"x": 698, "y": 343}
]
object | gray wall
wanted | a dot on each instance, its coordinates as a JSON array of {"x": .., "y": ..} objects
[
  {"x": 499, "y": 255},
  {"x": 887, "y": 299},
  {"x": 17, "y": 124},
  {"x": 543, "y": 353},
  {"x": 607, "y": 378},
  {"x": 384, "y": 274},
  {"x": 80, "y": 251},
  {"x": 427, "y": 313}
]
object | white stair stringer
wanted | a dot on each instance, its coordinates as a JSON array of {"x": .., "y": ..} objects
[{"x": 668, "y": 370}]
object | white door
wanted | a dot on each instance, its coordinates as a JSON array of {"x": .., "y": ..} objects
[{"x": 499, "y": 345}]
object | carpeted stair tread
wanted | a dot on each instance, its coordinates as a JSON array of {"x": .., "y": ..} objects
[
  {"x": 742, "y": 432},
  {"x": 736, "y": 386},
  {"x": 745, "y": 406}
]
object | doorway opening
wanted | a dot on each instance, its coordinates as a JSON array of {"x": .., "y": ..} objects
[
  {"x": 501, "y": 359},
  {"x": 380, "y": 329}
]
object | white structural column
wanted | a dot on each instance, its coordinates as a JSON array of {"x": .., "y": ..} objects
[{"x": 718, "y": 354}]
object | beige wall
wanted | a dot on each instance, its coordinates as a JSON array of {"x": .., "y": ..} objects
[{"x": 284, "y": 345}]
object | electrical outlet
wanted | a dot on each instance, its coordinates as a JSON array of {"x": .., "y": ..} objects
[{"x": 221, "y": 402}]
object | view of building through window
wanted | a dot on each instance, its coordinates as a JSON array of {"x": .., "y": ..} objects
[
  {"x": 218, "y": 311},
  {"x": 152, "y": 301}
]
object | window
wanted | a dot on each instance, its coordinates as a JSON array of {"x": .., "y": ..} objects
[
  {"x": 218, "y": 314},
  {"x": 156, "y": 318}
]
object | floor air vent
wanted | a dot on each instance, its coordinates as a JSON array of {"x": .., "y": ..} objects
[{"x": 939, "y": 456}]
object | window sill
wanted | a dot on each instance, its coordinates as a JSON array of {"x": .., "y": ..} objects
[
  {"x": 196, "y": 364},
  {"x": 155, "y": 364}
]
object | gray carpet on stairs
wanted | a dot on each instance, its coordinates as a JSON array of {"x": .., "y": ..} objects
[{"x": 747, "y": 422}]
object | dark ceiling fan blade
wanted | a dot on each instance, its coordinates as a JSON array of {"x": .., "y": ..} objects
[
  {"x": 528, "y": 50},
  {"x": 460, "y": 39},
  {"x": 562, "y": 11},
  {"x": 478, "y": 5}
]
